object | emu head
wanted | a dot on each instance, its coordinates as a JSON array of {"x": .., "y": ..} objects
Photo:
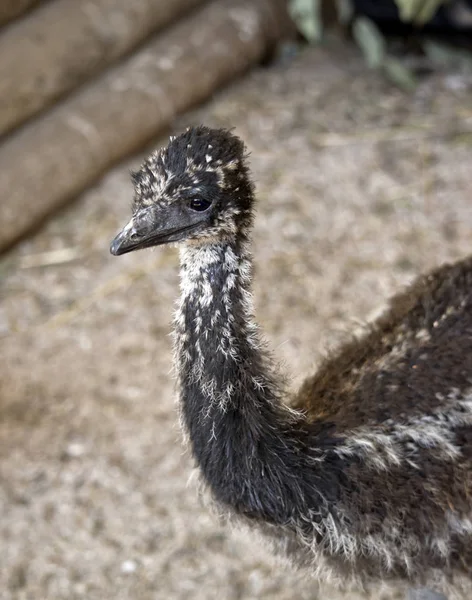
[{"x": 196, "y": 190}]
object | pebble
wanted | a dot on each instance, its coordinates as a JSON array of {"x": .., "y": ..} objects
[{"x": 128, "y": 567}]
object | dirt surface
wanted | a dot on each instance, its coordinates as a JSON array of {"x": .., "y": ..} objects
[{"x": 360, "y": 188}]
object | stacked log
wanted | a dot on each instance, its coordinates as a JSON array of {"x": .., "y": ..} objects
[
  {"x": 53, "y": 158},
  {"x": 11, "y": 9},
  {"x": 66, "y": 42}
]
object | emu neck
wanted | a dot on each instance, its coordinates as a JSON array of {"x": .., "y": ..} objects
[
  {"x": 229, "y": 400},
  {"x": 216, "y": 336},
  {"x": 253, "y": 452}
]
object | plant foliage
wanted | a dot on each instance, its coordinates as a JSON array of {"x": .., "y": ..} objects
[{"x": 307, "y": 15}]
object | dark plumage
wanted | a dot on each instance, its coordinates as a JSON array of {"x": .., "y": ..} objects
[{"x": 368, "y": 475}]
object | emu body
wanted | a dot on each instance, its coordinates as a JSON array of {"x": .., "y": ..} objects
[{"x": 366, "y": 473}]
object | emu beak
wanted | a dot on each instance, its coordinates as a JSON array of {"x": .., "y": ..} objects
[
  {"x": 153, "y": 226},
  {"x": 122, "y": 242}
]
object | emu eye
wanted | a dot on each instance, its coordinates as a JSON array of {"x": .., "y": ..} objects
[{"x": 199, "y": 204}]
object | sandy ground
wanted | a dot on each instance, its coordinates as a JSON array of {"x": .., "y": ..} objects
[{"x": 360, "y": 188}]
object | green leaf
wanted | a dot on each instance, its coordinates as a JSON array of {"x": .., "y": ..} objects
[
  {"x": 418, "y": 12},
  {"x": 307, "y": 17},
  {"x": 345, "y": 10},
  {"x": 407, "y": 9},
  {"x": 399, "y": 74},
  {"x": 427, "y": 11},
  {"x": 370, "y": 41}
]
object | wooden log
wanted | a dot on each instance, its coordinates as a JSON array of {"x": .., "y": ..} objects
[
  {"x": 52, "y": 159},
  {"x": 65, "y": 42},
  {"x": 11, "y": 9}
]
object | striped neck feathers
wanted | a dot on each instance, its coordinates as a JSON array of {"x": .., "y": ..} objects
[
  {"x": 216, "y": 340},
  {"x": 252, "y": 450}
]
